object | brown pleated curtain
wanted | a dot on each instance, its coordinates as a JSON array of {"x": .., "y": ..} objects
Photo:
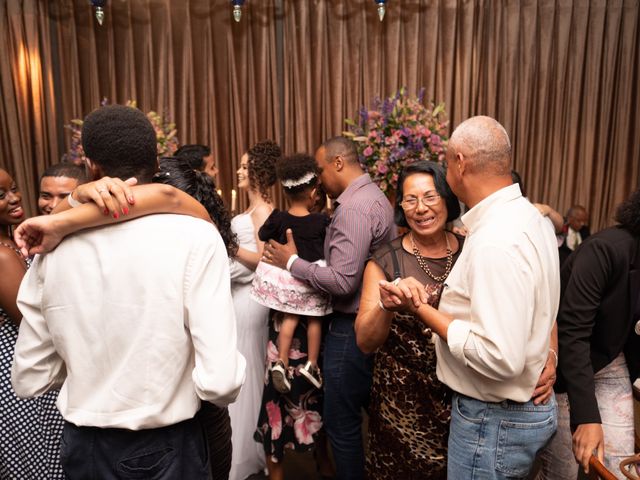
[{"x": 562, "y": 76}]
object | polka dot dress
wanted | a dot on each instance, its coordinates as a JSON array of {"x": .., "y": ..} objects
[{"x": 30, "y": 430}]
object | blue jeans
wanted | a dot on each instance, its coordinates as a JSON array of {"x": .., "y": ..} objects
[
  {"x": 347, "y": 385},
  {"x": 497, "y": 440}
]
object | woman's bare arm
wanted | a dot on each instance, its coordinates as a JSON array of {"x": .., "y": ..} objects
[
  {"x": 246, "y": 257},
  {"x": 372, "y": 323},
  {"x": 13, "y": 269},
  {"x": 42, "y": 234}
]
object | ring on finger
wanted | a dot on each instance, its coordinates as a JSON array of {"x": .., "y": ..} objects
[{"x": 396, "y": 281}]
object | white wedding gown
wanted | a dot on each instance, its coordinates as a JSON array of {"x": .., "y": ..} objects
[{"x": 248, "y": 455}]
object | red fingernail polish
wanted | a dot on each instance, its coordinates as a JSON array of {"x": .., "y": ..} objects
[
  {"x": 116, "y": 215},
  {"x": 106, "y": 211},
  {"x": 132, "y": 200},
  {"x": 125, "y": 210}
]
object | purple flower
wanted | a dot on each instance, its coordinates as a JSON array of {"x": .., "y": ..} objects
[
  {"x": 364, "y": 116},
  {"x": 368, "y": 151}
]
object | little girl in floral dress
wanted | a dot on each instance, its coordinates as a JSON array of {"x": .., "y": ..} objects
[{"x": 276, "y": 288}]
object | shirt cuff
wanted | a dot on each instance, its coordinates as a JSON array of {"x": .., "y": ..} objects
[
  {"x": 457, "y": 335},
  {"x": 292, "y": 259},
  {"x": 300, "y": 268}
]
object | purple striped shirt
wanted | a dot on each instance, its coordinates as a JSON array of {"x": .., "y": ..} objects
[{"x": 362, "y": 221}]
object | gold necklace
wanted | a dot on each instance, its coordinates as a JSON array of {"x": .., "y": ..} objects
[{"x": 422, "y": 261}]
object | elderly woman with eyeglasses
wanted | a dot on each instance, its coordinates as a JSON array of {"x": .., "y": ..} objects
[{"x": 410, "y": 408}]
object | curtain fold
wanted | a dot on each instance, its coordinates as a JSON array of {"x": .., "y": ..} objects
[
  {"x": 28, "y": 123},
  {"x": 561, "y": 75}
]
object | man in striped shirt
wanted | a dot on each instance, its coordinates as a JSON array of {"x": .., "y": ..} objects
[{"x": 362, "y": 221}]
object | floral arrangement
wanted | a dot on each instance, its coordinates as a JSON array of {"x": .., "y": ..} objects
[
  {"x": 395, "y": 132},
  {"x": 166, "y": 135}
]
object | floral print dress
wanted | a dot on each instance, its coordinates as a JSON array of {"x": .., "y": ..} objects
[{"x": 292, "y": 420}]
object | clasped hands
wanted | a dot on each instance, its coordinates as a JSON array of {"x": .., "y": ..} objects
[
  {"x": 403, "y": 295},
  {"x": 112, "y": 195}
]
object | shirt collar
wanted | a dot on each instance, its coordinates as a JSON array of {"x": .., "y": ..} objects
[
  {"x": 353, "y": 187},
  {"x": 474, "y": 218}
]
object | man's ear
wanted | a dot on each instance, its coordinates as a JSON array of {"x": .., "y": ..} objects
[
  {"x": 461, "y": 163},
  {"x": 339, "y": 161}
]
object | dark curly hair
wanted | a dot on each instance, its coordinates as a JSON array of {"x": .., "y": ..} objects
[
  {"x": 193, "y": 154},
  {"x": 121, "y": 141},
  {"x": 293, "y": 168},
  {"x": 262, "y": 166},
  {"x": 628, "y": 214},
  {"x": 178, "y": 173},
  {"x": 440, "y": 182}
]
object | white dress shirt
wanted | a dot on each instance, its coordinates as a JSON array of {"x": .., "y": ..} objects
[
  {"x": 134, "y": 320},
  {"x": 574, "y": 239},
  {"x": 503, "y": 294}
]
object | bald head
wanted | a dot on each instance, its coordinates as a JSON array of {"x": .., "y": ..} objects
[
  {"x": 485, "y": 144},
  {"x": 577, "y": 217}
]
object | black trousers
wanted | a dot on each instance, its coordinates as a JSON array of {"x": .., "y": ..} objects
[
  {"x": 217, "y": 427},
  {"x": 175, "y": 452}
]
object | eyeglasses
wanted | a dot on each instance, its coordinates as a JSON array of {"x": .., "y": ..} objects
[{"x": 411, "y": 203}]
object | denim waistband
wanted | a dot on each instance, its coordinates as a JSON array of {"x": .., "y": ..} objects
[
  {"x": 513, "y": 405},
  {"x": 341, "y": 323}
]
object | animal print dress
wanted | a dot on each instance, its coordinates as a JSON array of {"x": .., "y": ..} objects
[{"x": 410, "y": 409}]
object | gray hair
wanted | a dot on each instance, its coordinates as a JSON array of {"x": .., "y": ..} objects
[{"x": 485, "y": 143}]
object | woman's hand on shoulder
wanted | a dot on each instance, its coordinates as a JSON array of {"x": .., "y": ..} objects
[{"x": 112, "y": 195}]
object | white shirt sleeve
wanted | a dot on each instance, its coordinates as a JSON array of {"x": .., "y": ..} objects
[
  {"x": 37, "y": 367},
  {"x": 493, "y": 341},
  {"x": 219, "y": 368}
]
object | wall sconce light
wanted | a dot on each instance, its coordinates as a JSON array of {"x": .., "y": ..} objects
[
  {"x": 98, "y": 5},
  {"x": 382, "y": 9},
  {"x": 237, "y": 9}
]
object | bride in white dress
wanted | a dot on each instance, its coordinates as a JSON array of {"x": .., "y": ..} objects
[{"x": 256, "y": 175}]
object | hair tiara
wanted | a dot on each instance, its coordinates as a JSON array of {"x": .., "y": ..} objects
[{"x": 298, "y": 181}]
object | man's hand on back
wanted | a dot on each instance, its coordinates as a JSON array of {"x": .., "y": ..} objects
[{"x": 278, "y": 254}]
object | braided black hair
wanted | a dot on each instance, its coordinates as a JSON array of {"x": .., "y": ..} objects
[{"x": 193, "y": 154}]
